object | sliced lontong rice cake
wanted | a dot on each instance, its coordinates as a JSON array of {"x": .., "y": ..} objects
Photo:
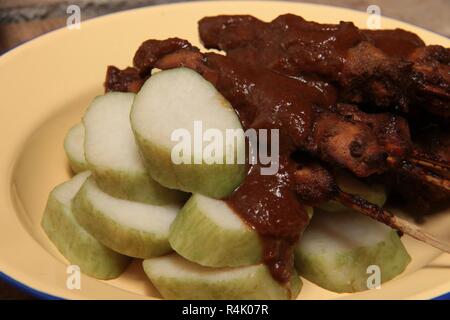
[
  {"x": 113, "y": 156},
  {"x": 173, "y": 111},
  {"x": 134, "y": 229},
  {"x": 339, "y": 251},
  {"x": 207, "y": 231},
  {"x": 178, "y": 278},
  {"x": 74, "y": 148},
  {"x": 72, "y": 240}
]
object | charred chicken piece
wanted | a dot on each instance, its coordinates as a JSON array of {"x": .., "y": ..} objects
[
  {"x": 314, "y": 183},
  {"x": 422, "y": 197},
  {"x": 126, "y": 80},
  {"x": 391, "y": 130},
  {"x": 152, "y": 50}
]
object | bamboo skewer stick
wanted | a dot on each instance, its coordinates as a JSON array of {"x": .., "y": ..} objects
[
  {"x": 373, "y": 211},
  {"x": 431, "y": 164},
  {"x": 412, "y": 169}
]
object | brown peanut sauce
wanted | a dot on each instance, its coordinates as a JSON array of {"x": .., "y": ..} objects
[
  {"x": 269, "y": 203},
  {"x": 396, "y": 43}
]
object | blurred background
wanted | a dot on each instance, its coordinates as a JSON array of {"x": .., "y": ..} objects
[{"x": 22, "y": 20}]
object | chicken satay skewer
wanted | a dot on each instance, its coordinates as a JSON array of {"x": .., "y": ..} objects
[
  {"x": 175, "y": 52},
  {"x": 316, "y": 184},
  {"x": 394, "y": 132}
]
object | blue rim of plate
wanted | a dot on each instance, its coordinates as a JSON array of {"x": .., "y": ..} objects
[
  {"x": 27, "y": 289},
  {"x": 445, "y": 296},
  {"x": 45, "y": 296}
]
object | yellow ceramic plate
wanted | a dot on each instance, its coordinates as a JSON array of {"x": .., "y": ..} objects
[{"x": 46, "y": 84}]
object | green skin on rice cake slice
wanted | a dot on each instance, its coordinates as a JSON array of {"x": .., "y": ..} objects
[
  {"x": 338, "y": 250},
  {"x": 72, "y": 240},
  {"x": 113, "y": 156},
  {"x": 134, "y": 229},
  {"x": 178, "y": 278}
]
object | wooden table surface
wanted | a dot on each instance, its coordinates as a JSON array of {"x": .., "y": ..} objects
[{"x": 22, "y": 20}]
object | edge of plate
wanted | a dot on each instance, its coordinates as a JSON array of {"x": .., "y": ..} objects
[
  {"x": 45, "y": 296},
  {"x": 197, "y": 2},
  {"x": 445, "y": 296},
  {"x": 27, "y": 289},
  {"x": 42, "y": 295}
]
